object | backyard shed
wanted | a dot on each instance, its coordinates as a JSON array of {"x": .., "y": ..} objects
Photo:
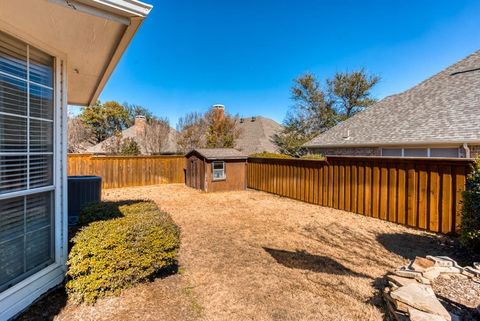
[{"x": 216, "y": 169}]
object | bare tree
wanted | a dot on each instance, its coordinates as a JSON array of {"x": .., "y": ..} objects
[
  {"x": 192, "y": 130},
  {"x": 80, "y": 136},
  {"x": 153, "y": 138}
]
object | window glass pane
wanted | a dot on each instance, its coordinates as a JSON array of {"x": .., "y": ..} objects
[
  {"x": 218, "y": 174},
  {"x": 39, "y": 208},
  {"x": 11, "y": 219},
  {"x": 41, "y": 67},
  {"x": 41, "y": 136},
  {"x": 13, "y": 173},
  {"x": 13, "y": 56},
  {"x": 392, "y": 152},
  {"x": 41, "y": 170},
  {"x": 41, "y": 102},
  {"x": 217, "y": 165},
  {"x": 38, "y": 248},
  {"x": 415, "y": 152},
  {"x": 13, "y": 95},
  {"x": 13, "y": 134},
  {"x": 11, "y": 261},
  {"x": 444, "y": 152}
]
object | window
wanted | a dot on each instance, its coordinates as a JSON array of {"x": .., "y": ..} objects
[
  {"x": 218, "y": 170},
  {"x": 415, "y": 152},
  {"x": 444, "y": 152},
  {"x": 392, "y": 152},
  {"x": 26, "y": 160}
]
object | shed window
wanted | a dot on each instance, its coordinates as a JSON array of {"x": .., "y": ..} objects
[
  {"x": 26, "y": 160},
  {"x": 218, "y": 170}
]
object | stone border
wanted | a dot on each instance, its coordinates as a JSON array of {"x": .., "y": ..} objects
[{"x": 409, "y": 295}]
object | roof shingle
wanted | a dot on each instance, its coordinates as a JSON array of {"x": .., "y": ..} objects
[{"x": 443, "y": 108}]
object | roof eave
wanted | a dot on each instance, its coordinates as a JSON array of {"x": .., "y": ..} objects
[
  {"x": 128, "y": 7},
  {"x": 394, "y": 144},
  {"x": 123, "y": 43},
  {"x": 131, "y": 13}
]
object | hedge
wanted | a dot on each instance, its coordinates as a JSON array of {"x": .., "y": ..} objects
[
  {"x": 470, "y": 226},
  {"x": 113, "y": 254}
]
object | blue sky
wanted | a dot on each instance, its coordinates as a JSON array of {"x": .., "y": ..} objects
[{"x": 191, "y": 54}]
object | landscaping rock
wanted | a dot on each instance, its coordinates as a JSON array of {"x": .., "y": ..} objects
[
  {"x": 400, "y": 281},
  {"x": 403, "y": 272},
  {"x": 421, "y": 297},
  {"x": 476, "y": 265},
  {"x": 422, "y": 279},
  {"x": 417, "y": 315},
  {"x": 473, "y": 271},
  {"x": 422, "y": 264},
  {"x": 443, "y": 261}
]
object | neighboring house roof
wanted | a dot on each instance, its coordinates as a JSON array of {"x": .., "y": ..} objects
[
  {"x": 256, "y": 134},
  {"x": 218, "y": 153},
  {"x": 133, "y": 132},
  {"x": 91, "y": 34},
  {"x": 440, "y": 110}
]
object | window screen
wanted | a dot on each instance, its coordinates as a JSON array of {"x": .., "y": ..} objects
[
  {"x": 26, "y": 160},
  {"x": 415, "y": 152},
  {"x": 218, "y": 170},
  {"x": 392, "y": 152},
  {"x": 443, "y": 152}
]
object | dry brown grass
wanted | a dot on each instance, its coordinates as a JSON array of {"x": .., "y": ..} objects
[{"x": 255, "y": 256}]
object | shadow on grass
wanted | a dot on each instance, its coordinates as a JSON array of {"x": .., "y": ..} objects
[
  {"x": 316, "y": 263},
  {"x": 411, "y": 245}
]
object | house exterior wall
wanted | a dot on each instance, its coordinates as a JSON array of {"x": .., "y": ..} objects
[{"x": 235, "y": 180}]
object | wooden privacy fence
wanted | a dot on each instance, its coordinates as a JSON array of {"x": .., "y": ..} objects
[
  {"x": 124, "y": 171},
  {"x": 421, "y": 193}
]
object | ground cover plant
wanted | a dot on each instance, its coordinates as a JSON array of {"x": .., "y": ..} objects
[{"x": 122, "y": 244}]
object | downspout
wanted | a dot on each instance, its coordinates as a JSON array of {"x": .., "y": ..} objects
[{"x": 467, "y": 150}]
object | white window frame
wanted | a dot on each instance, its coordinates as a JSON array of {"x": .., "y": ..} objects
[
  {"x": 19, "y": 296},
  {"x": 427, "y": 148},
  {"x": 224, "y": 176}
]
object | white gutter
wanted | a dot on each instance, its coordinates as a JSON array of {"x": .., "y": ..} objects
[{"x": 122, "y": 8}]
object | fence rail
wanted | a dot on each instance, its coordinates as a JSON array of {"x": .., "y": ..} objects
[
  {"x": 422, "y": 193},
  {"x": 124, "y": 171}
]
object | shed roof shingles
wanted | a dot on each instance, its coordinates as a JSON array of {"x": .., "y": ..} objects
[
  {"x": 220, "y": 153},
  {"x": 445, "y": 107}
]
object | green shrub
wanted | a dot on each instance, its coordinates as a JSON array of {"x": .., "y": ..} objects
[
  {"x": 470, "y": 227},
  {"x": 129, "y": 147},
  {"x": 110, "y": 255},
  {"x": 313, "y": 157},
  {"x": 270, "y": 155},
  {"x": 108, "y": 210}
]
